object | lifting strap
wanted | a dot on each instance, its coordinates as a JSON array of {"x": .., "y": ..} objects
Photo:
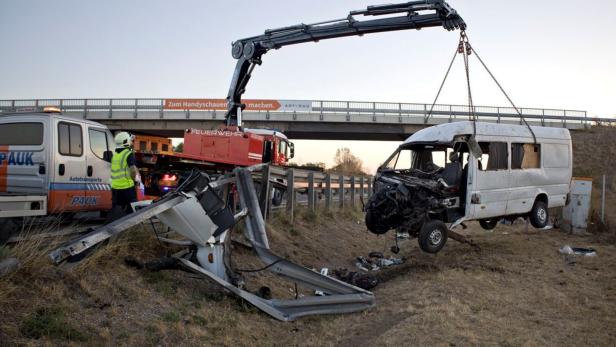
[{"x": 464, "y": 47}]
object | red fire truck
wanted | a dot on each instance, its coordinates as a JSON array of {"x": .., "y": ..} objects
[{"x": 215, "y": 151}]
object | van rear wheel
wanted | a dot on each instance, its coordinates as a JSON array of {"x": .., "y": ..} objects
[
  {"x": 488, "y": 224},
  {"x": 539, "y": 215},
  {"x": 432, "y": 236}
]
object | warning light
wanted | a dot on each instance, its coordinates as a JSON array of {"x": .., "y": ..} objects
[
  {"x": 168, "y": 177},
  {"x": 51, "y": 109}
]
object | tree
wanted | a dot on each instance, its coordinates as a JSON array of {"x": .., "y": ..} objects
[
  {"x": 179, "y": 148},
  {"x": 346, "y": 163}
]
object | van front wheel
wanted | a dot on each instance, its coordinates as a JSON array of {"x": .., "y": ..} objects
[
  {"x": 432, "y": 236},
  {"x": 539, "y": 215}
]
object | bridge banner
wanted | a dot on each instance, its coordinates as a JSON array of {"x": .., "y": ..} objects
[{"x": 251, "y": 104}]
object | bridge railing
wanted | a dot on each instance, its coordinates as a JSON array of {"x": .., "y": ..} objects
[{"x": 147, "y": 108}]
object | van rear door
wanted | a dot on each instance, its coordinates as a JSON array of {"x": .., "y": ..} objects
[
  {"x": 23, "y": 155},
  {"x": 69, "y": 174}
]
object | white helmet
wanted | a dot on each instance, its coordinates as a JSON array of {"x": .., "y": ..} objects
[{"x": 123, "y": 140}]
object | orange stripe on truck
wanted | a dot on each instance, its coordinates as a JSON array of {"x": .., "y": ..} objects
[{"x": 3, "y": 170}]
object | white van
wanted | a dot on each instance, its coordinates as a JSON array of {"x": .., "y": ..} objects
[
  {"x": 460, "y": 171},
  {"x": 51, "y": 163}
]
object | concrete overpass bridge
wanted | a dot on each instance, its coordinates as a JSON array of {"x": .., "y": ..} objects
[{"x": 299, "y": 119}]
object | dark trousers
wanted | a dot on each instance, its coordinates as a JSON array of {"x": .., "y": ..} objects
[{"x": 120, "y": 203}]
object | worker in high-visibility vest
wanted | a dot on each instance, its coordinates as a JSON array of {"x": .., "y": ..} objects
[{"x": 124, "y": 176}]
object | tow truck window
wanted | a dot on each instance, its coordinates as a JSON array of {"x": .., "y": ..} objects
[
  {"x": 70, "y": 139},
  {"x": 494, "y": 157},
  {"x": 525, "y": 156},
  {"x": 98, "y": 142},
  {"x": 21, "y": 134}
]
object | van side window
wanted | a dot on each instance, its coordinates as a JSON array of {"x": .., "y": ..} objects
[
  {"x": 143, "y": 146},
  {"x": 495, "y": 156},
  {"x": 98, "y": 143},
  {"x": 21, "y": 134},
  {"x": 525, "y": 156},
  {"x": 70, "y": 139}
]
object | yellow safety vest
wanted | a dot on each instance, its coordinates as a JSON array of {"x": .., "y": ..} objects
[{"x": 120, "y": 172}]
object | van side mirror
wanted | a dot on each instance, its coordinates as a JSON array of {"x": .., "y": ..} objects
[
  {"x": 107, "y": 155},
  {"x": 292, "y": 150}
]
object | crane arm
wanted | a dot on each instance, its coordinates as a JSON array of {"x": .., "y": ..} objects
[{"x": 413, "y": 15}]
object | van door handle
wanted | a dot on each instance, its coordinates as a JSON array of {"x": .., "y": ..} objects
[
  {"x": 41, "y": 169},
  {"x": 61, "y": 169},
  {"x": 90, "y": 170}
]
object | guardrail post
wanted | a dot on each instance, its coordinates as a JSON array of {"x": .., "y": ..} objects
[
  {"x": 585, "y": 119},
  {"x": 328, "y": 191},
  {"x": 564, "y": 118},
  {"x": 352, "y": 191},
  {"x": 311, "y": 202},
  {"x": 266, "y": 195},
  {"x": 399, "y": 112},
  {"x": 498, "y": 120},
  {"x": 341, "y": 190},
  {"x": 110, "y": 108},
  {"x": 543, "y": 117},
  {"x": 321, "y": 110},
  {"x": 291, "y": 194},
  {"x": 348, "y": 116},
  {"x": 135, "y": 110},
  {"x": 161, "y": 110},
  {"x": 425, "y": 114},
  {"x": 362, "y": 190}
]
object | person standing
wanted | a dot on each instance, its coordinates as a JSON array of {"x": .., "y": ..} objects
[{"x": 124, "y": 176}]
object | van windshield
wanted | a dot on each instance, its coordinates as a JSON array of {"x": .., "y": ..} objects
[
  {"x": 425, "y": 158},
  {"x": 21, "y": 134}
]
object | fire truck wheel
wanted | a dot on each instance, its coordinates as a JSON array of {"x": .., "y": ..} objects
[
  {"x": 8, "y": 228},
  {"x": 277, "y": 197}
]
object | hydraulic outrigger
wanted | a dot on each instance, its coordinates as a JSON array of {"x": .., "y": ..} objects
[{"x": 197, "y": 210}]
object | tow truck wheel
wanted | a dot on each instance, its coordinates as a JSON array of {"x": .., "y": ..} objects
[
  {"x": 8, "y": 228},
  {"x": 488, "y": 224},
  {"x": 432, "y": 236},
  {"x": 539, "y": 216}
]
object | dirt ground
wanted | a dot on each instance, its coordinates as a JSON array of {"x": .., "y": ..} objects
[{"x": 516, "y": 291}]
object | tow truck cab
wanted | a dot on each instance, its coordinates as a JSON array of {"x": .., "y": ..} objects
[{"x": 51, "y": 163}]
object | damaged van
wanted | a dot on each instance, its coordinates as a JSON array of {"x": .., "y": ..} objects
[{"x": 444, "y": 175}]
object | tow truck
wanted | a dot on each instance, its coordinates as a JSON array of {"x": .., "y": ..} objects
[{"x": 198, "y": 211}]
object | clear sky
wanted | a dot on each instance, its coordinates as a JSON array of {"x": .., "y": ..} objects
[{"x": 546, "y": 53}]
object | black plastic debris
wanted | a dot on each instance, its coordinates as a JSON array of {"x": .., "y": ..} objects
[{"x": 358, "y": 279}]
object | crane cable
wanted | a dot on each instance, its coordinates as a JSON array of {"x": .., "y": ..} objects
[{"x": 464, "y": 47}]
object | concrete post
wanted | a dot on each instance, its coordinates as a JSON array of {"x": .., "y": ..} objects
[
  {"x": 352, "y": 191},
  {"x": 311, "y": 202},
  {"x": 290, "y": 194},
  {"x": 341, "y": 190},
  {"x": 328, "y": 191}
]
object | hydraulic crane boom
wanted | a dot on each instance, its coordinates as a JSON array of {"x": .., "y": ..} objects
[{"x": 414, "y": 15}]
